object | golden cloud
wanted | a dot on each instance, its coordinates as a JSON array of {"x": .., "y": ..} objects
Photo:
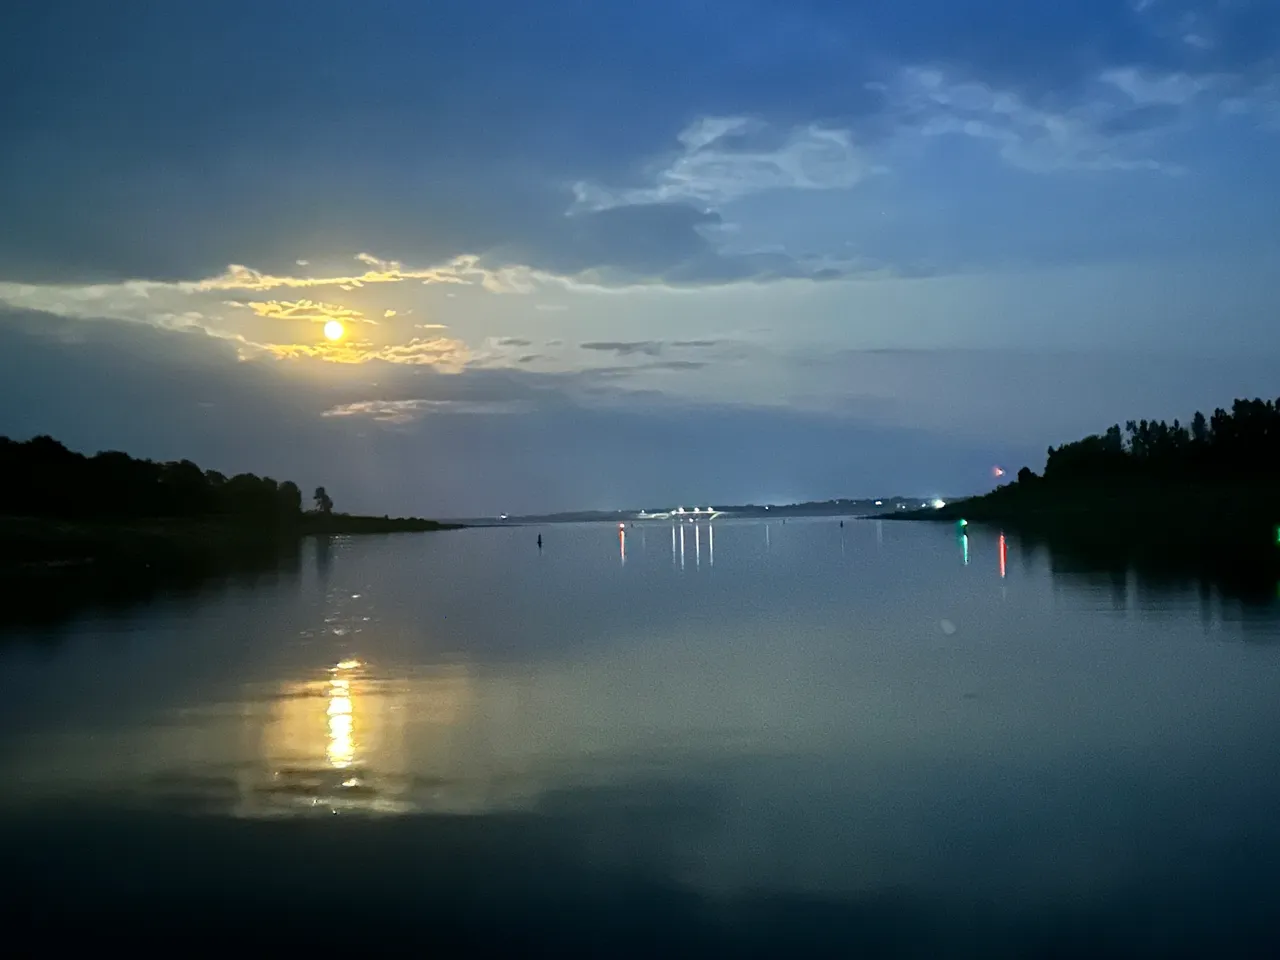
[
  {"x": 442, "y": 353},
  {"x": 406, "y": 411},
  {"x": 239, "y": 277},
  {"x": 313, "y": 311},
  {"x": 436, "y": 351}
]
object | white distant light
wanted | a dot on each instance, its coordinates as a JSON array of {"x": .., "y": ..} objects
[
  {"x": 939, "y": 504},
  {"x": 879, "y": 503}
]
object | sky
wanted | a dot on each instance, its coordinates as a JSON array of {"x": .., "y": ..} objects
[{"x": 618, "y": 254}]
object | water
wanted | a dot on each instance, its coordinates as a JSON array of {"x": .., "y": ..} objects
[{"x": 782, "y": 737}]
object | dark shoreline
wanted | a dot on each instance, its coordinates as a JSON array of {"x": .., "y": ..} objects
[{"x": 1221, "y": 536}]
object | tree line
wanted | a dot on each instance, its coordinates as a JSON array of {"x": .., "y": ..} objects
[
  {"x": 42, "y": 478},
  {"x": 1240, "y": 444}
]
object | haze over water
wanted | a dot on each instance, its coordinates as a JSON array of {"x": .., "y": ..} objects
[{"x": 784, "y": 736}]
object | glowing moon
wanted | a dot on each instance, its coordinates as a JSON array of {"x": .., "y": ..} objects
[{"x": 334, "y": 330}]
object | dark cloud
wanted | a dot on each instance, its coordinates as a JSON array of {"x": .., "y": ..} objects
[
  {"x": 711, "y": 268},
  {"x": 920, "y": 421},
  {"x": 461, "y": 129},
  {"x": 625, "y": 348},
  {"x": 513, "y": 342},
  {"x": 527, "y": 443},
  {"x": 627, "y": 372},
  {"x": 676, "y": 365},
  {"x": 656, "y": 348},
  {"x": 176, "y": 138},
  {"x": 663, "y": 242}
]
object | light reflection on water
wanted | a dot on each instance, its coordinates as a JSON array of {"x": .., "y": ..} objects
[
  {"x": 356, "y": 742},
  {"x": 816, "y": 709}
]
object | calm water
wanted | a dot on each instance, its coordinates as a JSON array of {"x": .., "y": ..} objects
[{"x": 772, "y": 738}]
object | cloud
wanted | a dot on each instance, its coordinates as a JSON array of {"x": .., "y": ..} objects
[
  {"x": 613, "y": 248},
  {"x": 406, "y": 411},
  {"x": 512, "y": 342},
  {"x": 1085, "y": 137},
  {"x": 722, "y": 159},
  {"x": 656, "y": 348},
  {"x": 313, "y": 311},
  {"x": 169, "y": 305},
  {"x": 929, "y": 423},
  {"x": 442, "y": 353},
  {"x": 625, "y": 348},
  {"x": 1231, "y": 35},
  {"x": 675, "y": 365},
  {"x": 773, "y": 109},
  {"x": 461, "y": 269},
  {"x": 632, "y": 370},
  {"x": 1145, "y": 88}
]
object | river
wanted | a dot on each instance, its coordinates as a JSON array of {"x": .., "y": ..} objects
[{"x": 737, "y": 738}]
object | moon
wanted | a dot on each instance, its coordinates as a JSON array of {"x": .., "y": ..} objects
[{"x": 334, "y": 330}]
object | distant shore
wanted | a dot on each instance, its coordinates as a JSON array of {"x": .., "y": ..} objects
[
  {"x": 830, "y": 509},
  {"x": 348, "y": 524},
  {"x": 1167, "y": 523}
]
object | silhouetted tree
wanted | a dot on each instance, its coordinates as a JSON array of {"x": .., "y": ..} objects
[
  {"x": 289, "y": 498},
  {"x": 323, "y": 504},
  {"x": 184, "y": 490},
  {"x": 1199, "y": 429},
  {"x": 1113, "y": 443},
  {"x": 42, "y": 478},
  {"x": 1243, "y": 444}
]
